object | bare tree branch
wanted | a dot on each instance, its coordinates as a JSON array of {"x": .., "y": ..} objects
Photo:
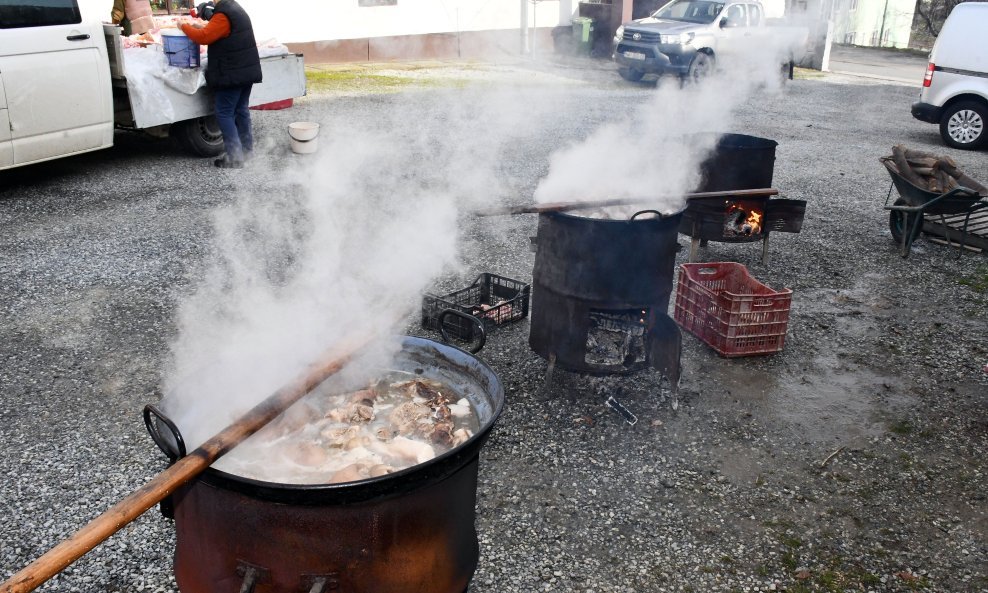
[{"x": 932, "y": 13}]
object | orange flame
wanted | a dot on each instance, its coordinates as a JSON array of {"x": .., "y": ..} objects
[
  {"x": 754, "y": 220},
  {"x": 752, "y": 224}
]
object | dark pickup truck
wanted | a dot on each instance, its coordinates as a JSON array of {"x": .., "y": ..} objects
[{"x": 688, "y": 38}]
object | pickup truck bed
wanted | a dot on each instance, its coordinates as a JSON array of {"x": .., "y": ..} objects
[{"x": 143, "y": 99}]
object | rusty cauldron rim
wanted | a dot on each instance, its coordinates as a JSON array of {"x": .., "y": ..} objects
[
  {"x": 389, "y": 485},
  {"x": 661, "y": 218}
]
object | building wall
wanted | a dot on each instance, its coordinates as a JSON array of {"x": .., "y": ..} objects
[
  {"x": 302, "y": 21},
  {"x": 873, "y": 23}
]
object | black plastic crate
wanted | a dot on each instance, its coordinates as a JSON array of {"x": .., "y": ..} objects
[{"x": 493, "y": 300}]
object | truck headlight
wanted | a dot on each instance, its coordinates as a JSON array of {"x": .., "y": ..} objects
[
  {"x": 619, "y": 34},
  {"x": 677, "y": 39}
]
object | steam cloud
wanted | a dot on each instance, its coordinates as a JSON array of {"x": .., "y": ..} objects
[
  {"x": 349, "y": 239},
  {"x": 655, "y": 151},
  {"x": 343, "y": 243}
]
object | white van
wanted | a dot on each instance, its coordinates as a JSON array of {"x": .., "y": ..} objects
[{"x": 955, "y": 89}]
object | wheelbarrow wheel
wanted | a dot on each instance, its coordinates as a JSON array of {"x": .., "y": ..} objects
[{"x": 901, "y": 223}]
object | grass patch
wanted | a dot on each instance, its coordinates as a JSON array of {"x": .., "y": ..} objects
[
  {"x": 831, "y": 573},
  {"x": 367, "y": 80},
  {"x": 790, "y": 560},
  {"x": 806, "y": 73},
  {"x": 838, "y": 581},
  {"x": 978, "y": 282},
  {"x": 321, "y": 81},
  {"x": 902, "y": 427}
]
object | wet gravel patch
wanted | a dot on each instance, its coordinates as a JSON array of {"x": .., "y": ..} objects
[{"x": 851, "y": 461}]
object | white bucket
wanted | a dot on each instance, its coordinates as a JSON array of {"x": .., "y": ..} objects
[{"x": 304, "y": 136}]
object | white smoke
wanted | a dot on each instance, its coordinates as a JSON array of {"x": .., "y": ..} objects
[
  {"x": 342, "y": 243},
  {"x": 654, "y": 152},
  {"x": 347, "y": 241}
]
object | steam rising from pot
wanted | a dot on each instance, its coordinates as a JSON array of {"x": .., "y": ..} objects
[
  {"x": 343, "y": 242},
  {"x": 656, "y": 149},
  {"x": 348, "y": 239}
]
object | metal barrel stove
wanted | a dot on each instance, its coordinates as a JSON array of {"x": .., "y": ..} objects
[{"x": 601, "y": 292}]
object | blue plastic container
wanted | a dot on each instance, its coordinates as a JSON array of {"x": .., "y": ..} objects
[{"x": 182, "y": 52}]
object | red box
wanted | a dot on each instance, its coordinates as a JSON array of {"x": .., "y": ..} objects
[
  {"x": 730, "y": 311},
  {"x": 274, "y": 106}
]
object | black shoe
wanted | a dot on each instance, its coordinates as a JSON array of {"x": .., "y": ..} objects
[{"x": 227, "y": 164}]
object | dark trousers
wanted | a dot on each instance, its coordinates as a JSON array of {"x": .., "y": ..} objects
[{"x": 234, "y": 119}]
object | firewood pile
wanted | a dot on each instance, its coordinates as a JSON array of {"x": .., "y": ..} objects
[{"x": 930, "y": 172}]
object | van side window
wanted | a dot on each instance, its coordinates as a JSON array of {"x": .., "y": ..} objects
[{"x": 16, "y": 14}]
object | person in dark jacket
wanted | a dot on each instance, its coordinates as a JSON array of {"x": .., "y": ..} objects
[{"x": 232, "y": 68}]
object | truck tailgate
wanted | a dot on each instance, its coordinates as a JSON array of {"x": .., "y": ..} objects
[{"x": 154, "y": 103}]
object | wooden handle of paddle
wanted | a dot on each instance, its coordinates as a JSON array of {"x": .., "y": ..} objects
[
  {"x": 564, "y": 206},
  {"x": 184, "y": 469}
]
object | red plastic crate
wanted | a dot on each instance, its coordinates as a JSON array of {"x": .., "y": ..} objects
[{"x": 730, "y": 311}]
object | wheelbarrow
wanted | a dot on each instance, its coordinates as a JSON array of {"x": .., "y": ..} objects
[{"x": 907, "y": 211}]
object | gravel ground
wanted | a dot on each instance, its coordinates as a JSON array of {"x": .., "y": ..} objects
[{"x": 851, "y": 461}]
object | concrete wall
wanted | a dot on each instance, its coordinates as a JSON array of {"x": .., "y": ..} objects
[
  {"x": 306, "y": 21},
  {"x": 873, "y": 23},
  {"x": 468, "y": 44}
]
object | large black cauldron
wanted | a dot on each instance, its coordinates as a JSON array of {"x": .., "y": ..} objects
[
  {"x": 600, "y": 294},
  {"x": 411, "y": 531},
  {"x": 738, "y": 161}
]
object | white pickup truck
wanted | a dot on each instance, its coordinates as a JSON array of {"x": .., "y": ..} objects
[{"x": 65, "y": 87}]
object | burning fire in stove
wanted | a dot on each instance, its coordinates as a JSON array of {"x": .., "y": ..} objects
[{"x": 742, "y": 219}]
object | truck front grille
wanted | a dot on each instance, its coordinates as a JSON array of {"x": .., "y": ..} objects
[{"x": 643, "y": 36}]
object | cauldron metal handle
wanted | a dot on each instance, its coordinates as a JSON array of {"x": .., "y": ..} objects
[
  {"x": 655, "y": 212},
  {"x": 176, "y": 448},
  {"x": 477, "y": 323}
]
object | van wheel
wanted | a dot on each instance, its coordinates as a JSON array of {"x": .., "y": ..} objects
[
  {"x": 701, "y": 67},
  {"x": 963, "y": 125},
  {"x": 200, "y": 136},
  {"x": 630, "y": 74}
]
